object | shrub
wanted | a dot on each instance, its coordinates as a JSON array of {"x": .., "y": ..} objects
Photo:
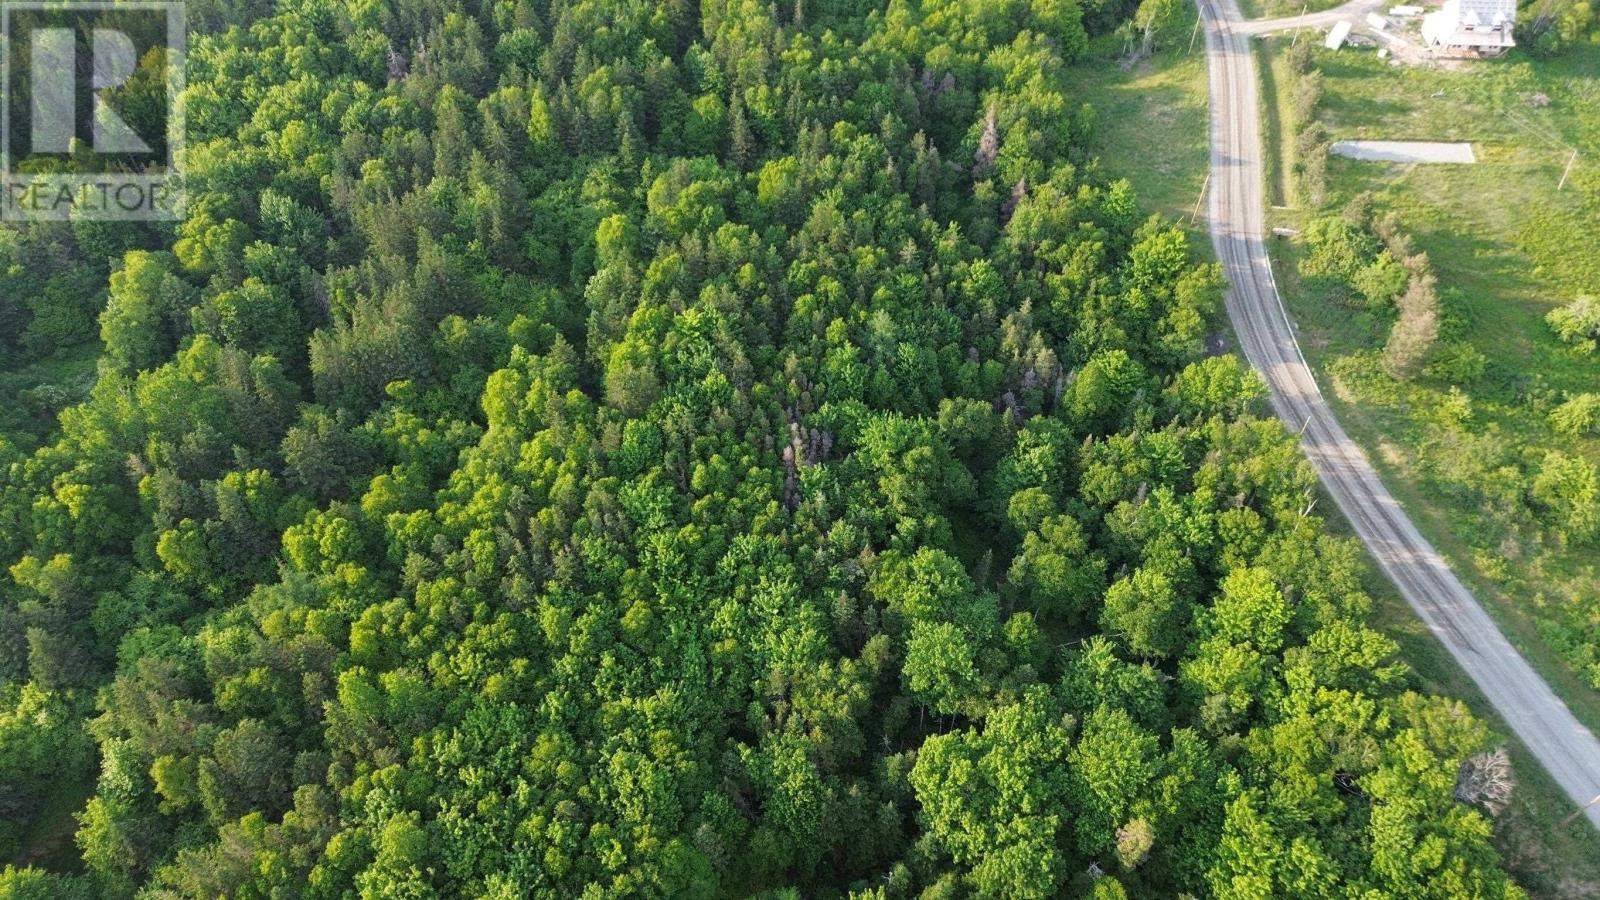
[
  {"x": 1380, "y": 281},
  {"x": 1580, "y": 414},
  {"x": 1338, "y": 248},
  {"x": 1577, "y": 323},
  {"x": 1458, "y": 363},
  {"x": 1415, "y": 332},
  {"x": 1569, "y": 490}
]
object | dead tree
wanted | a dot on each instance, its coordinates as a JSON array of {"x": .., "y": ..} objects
[{"x": 1487, "y": 779}]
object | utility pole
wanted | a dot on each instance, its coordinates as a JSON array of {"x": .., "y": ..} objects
[
  {"x": 1195, "y": 214},
  {"x": 1570, "y": 160},
  {"x": 1193, "y": 34},
  {"x": 1578, "y": 812}
]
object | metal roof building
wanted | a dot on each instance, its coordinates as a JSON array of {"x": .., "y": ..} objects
[{"x": 1471, "y": 26}]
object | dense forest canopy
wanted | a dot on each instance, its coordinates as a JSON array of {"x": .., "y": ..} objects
[{"x": 678, "y": 448}]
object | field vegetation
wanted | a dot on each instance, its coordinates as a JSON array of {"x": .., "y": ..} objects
[{"x": 1273, "y": 9}]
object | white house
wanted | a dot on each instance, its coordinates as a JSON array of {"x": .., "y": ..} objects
[{"x": 1471, "y": 26}]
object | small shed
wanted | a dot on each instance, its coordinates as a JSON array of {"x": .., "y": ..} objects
[
  {"x": 1481, "y": 27},
  {"x": 1339, "y": 34}
]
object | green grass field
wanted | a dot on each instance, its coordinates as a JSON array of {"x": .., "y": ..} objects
[
  {"x": 49, "y": 843},
  {"x": 70, "y": 371},
  {"x": 1273, "y": 9},
  {"x": 1153, "y": 122},
  {"x": 1276, "y": 123}
]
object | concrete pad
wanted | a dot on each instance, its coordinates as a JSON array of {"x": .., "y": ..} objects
[{"x": 1406, "y": 151}]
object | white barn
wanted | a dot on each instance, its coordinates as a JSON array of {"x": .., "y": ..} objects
[{"x": 1471, "y": 26}]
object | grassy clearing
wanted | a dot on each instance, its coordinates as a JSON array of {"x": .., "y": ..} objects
[
  {"x": 49, "y": 842},
  {"x": 1273, "y": 9},
  {"x": 72, "y": 371},
  {"x": 1276, "y": 120},
  {"x": 1153, "y": 120},
  {"x": 1549, "y": 861},
  {"x": 1388, "y": 435}
]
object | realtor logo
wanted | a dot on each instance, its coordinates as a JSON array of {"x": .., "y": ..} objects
[{"x": 90, "y": 126}]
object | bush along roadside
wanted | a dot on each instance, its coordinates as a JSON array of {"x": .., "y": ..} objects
[{"x": 1310, "y": 137}]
